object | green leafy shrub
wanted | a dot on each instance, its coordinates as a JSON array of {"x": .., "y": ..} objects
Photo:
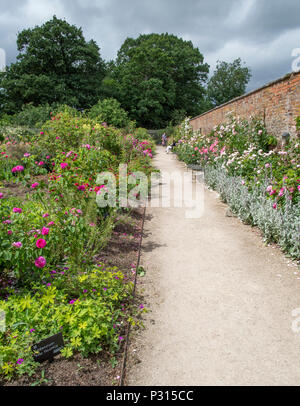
[
  {"x": 35, "y": 116},
  {"x": 142, "y": 134},
  {"x": 86, "y": 309},
  {"x": 110, "y": 112}
]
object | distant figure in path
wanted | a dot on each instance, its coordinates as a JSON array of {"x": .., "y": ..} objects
[
  {"x": 164, "y": 139},
  {"x": 170, "y": 147}
]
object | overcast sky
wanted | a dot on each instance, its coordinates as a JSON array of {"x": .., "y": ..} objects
[{"x": 262, "y": 32}]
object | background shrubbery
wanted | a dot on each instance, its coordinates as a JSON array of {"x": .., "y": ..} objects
[{"x": 110, "y": 112}]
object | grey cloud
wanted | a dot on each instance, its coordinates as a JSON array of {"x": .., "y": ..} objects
[{"x": 256, "y": 30}]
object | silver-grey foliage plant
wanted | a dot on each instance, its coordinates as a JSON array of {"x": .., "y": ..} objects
[{"x": 252, "y": 207}]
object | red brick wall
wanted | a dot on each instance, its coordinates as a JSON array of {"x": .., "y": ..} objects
[{"x": 277, "y": 103}]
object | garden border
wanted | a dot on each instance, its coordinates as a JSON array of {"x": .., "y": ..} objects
[{"x": 124, "y": 364}]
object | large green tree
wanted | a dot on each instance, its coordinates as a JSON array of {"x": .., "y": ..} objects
[
  {"x": 228, "y": 81},
  {"x": 157, "y": 78},
  {"x": 55, "y": 64}
]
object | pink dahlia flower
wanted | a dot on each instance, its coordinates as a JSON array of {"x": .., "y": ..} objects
[
  {"x": 40, "y": 262},
  {"x": 18, "y": 168},
  {"x": 41, "y": 243},
  {"x": 45, "y": 231}
]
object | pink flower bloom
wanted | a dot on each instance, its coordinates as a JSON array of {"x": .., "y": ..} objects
[
  {"x": 40, "y": 262},
  {"x": 26, "y": 155},
  {"x": 17, "y": 210},
  {"x": 269, "y": 188},
  {"x": 41, "y": 163},
  {"x": 298, "y": 188},
  {"x": 41, "y": 243},
  {"x": 45, "y": 231},
  {"x": 275, "y": 206},
  {"x": 20, "y": 361},
  {"x": 222, "y": 152},
  {"x": 45, "y": 215},
  {"x": 51, "y": 224},
  {"x": 9, "y": 232},
  {"x": 63, "y": 165},
  {"x": 18, "y": 168},
  {"x": 1, "y": 196},
  {"x": 268, "y": 165},
  {"x": 34, "y": 185},
  {"x": 42, "y": 132},
  {"x": 17, "y": 244}
]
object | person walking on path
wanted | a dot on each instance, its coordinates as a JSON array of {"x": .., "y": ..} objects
[{"x": 164, "y": 139}]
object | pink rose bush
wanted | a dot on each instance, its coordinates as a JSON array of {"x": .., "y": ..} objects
[{"x": 241, "y": 159}]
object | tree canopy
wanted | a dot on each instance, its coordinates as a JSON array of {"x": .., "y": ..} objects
[
  {"x": 55, "y": 64},
  {"x": 228, "y": 81},
  {"x": 159, "y": 77}
]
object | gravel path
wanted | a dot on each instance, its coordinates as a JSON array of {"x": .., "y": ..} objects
[{"x": 220, "y": 302}]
